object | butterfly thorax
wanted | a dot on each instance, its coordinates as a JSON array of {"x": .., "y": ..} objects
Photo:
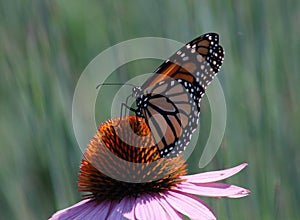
[{"x": 141, "y": 100}]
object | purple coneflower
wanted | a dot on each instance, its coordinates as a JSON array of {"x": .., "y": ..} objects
[{"x": 122, "y": 181}]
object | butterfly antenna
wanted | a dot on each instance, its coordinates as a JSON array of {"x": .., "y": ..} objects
[{"x": 115, "y": 84}]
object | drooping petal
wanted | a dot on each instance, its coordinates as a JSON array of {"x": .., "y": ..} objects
[
  {"x": 214, "y": 176},
  {"x": 171, "y": 212},
  {"x": 149, "y": 208},
  {"x": 213, "y": 189},
  {"x": 189, "y": 205},
  {"x": 123, "y": 210},
  {"x": 85, "y": 209}
]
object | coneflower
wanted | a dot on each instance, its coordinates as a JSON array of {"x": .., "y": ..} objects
[{"x": 123, "y": 177}]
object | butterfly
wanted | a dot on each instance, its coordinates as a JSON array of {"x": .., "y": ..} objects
[{"x": 169, "y": 100}]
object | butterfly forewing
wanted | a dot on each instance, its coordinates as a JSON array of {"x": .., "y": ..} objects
[{"x": 202, "y": 55}]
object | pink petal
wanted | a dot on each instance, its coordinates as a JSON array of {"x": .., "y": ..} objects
[
  {"x": 172, "y": 213},
  {"x": 189, "y": 205},
  {"x": 214, "y": 176},
  {"x": 239, "y": 195},
  {"x": 85, "y": 209},
  {"x": 149, "y": 208},
  {"x": 123, "y": 210},
  {"x": 213, "y": 189}
]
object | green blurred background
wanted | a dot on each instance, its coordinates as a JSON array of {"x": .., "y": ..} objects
[{"x": 45, "y": 46}]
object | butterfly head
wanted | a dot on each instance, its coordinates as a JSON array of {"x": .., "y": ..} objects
[{"x": 137, "y": 92}]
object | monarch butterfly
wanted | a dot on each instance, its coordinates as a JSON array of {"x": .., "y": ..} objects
[{"x": 169, "y": 100}]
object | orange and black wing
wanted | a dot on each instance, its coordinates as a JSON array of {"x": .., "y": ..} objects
[
  {"x": 196, "y": 62},
  {"x": 171, "y": 96},
  {"x": 167, "y": 113}
]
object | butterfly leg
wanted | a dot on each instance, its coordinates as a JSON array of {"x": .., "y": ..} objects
[{"x": 125, "y": 106}]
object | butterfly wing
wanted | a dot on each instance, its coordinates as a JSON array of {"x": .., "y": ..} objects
[
  {"x": 167, "y": 112},
  {"x": 198, "y": 61},
  {"x": 171, "y": 96}
]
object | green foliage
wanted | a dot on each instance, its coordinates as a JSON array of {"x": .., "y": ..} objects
[{"x": 45, "y": 45}]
